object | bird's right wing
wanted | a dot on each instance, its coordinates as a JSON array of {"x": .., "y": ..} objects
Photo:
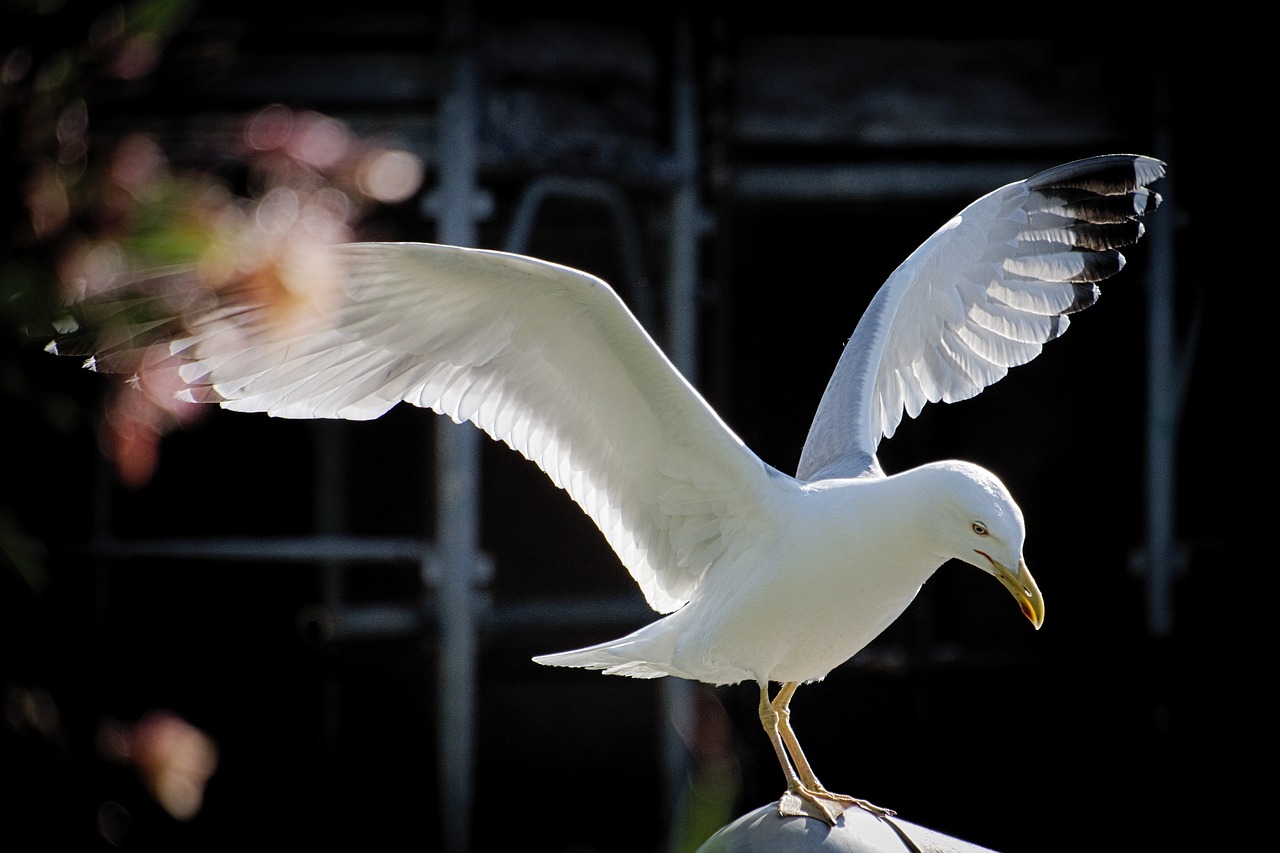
[
  {"x": 981, "y": 295},
  {"x": 542, "y": 357}
]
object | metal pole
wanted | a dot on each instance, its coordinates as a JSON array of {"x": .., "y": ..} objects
[
  {"x": 330, "y": 512},
  {"x": 686, "y": 218},
  {"x": 457, "y": 458},
  {"x": 1162, "y": 556},
  {"x": 682, "y": 347}
]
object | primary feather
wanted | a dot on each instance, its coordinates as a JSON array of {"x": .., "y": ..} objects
[{"x": 981, "y": 295}]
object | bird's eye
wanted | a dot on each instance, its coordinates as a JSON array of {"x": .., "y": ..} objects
[{"x": 979, "y": 528}]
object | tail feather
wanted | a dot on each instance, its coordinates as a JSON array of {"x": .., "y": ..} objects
[{"x": 632, "y": 655}]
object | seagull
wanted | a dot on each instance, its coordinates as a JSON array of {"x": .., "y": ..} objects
[{"x": 760, "y": 576}]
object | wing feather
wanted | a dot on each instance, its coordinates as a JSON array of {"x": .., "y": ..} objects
[
  {"x": 542, "y": 357},
  {"x": 981, "y": 295}
]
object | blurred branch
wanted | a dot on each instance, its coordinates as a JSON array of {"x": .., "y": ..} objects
[
  {"x": 93, "y": 213},
  {"x": 107, "y": 232}
]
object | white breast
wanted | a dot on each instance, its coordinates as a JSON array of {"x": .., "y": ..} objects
[{"x": 837, "y": 569}]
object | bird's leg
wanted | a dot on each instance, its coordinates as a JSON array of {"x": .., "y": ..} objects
[
  {"x": 797, "y": 800},
  {"x": 781, "y": 708}
]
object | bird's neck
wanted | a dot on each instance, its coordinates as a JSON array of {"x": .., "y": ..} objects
[{"x": 887, "y": 520}]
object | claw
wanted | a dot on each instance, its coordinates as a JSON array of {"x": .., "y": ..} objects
[
  {"x": 878, "y": 811},
  {"x": 824, "y": 805}
]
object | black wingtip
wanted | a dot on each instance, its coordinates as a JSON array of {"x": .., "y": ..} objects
[{"x": 1107, "y": 174}]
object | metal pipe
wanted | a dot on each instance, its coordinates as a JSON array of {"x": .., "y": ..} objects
[
  {"x": 302, "y": 549},
  {"x": 682, "y": 329},
  {"x": 1162, "y": 556},
  {"x": 863, "y": 183},
  {"x": 457, "y": 457},
  {"x": 324, "y": 625},
  {"x": 615, "y": 201}
]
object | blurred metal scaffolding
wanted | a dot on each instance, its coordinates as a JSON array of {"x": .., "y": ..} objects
[
  {"x": 452, "y": 610},
  {"x": 453, "y": 568}
]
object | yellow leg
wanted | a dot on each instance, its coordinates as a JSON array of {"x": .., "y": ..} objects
[
  {"x": 770, "y": 720},
  {"x": 805, "y": 794}
]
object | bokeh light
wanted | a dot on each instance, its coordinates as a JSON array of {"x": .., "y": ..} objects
[
  {"x": 391, "y": 176},
  {"x": 174, "y": 759}
]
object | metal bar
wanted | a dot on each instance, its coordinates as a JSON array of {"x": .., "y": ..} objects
[
  {"x": 340, "y": 624},
  {"x": 323, "y": 625},
  {"x": 1161, "y": 558},
  {"x": 562, "y": 613},
  {"x": 330, "y": 501},
  {"x": 301, "y": 549},
  {"x": 457, "y": 456},
  {"x": 687, "y": 221},
  {"x": 861, "y": 182},
  {"x": 682, "y": 347},
  {"x": 625, "y": 227}
]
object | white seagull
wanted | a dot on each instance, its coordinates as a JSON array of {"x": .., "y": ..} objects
[{"x": 761, "y": 576}]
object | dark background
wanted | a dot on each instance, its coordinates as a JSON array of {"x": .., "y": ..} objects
[{"x": 960, "y": 717}]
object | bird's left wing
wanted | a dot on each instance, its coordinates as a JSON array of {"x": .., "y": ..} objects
[
  {"x": 981, "y": 295},
  {"x": 545, "y": 358}
]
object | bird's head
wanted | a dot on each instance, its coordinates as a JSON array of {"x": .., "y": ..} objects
[{"x": 984, "y": 527}]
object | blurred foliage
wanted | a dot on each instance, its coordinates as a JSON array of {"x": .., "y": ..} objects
[
  {"x": 91, "y": 211},
  {"x": 97, "y": 209},
  {"x": 58, "y": 190},
  {"x": 60, "y": 194}
]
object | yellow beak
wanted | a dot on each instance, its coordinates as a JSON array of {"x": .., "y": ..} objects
[{"x": 1024, "y": 590}]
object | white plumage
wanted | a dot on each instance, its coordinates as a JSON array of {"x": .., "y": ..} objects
[{"x": 766, "y": 577}]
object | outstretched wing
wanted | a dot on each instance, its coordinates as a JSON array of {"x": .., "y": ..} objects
[
  {"x": 981, "y": 295},
  {"x": 543, "y": 357}
]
